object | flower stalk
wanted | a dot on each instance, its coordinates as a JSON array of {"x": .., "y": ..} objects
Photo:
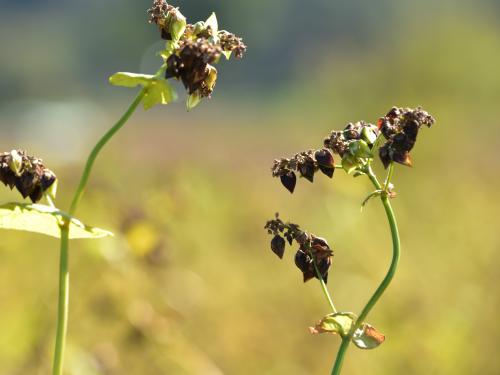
[{"x": 356, "y": 145}]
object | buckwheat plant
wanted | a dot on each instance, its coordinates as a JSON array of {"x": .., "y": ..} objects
[
  {"x": 191, "y": 51},
  {"x": 356, "y": 146}
]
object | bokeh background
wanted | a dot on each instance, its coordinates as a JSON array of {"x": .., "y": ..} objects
[{"x": 188, "y": 285}]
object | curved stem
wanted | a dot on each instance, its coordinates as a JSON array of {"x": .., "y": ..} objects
[
  {"x": 98, "y": 147},
  {"x": 62, "y": 310},
  {"x": 63, "y": 304},
  {"x": 396, "y": 248}
]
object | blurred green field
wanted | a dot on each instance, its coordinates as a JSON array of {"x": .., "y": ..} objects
[{"x": 188, "y": 285}]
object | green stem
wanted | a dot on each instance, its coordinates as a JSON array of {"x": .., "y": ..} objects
[
  {"x": 98, "y": 147},
  {"x": 324, "y": 288},
  {"x": 63, "y": 305},
  {"x": 62, "y": 310},
  {"x": 396, "y": 248},
  {"x": 340, "y": 355}
]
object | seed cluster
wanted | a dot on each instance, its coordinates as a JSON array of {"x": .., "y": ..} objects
[
  {"x": 313, "y": 253},
  {"x": 193, "y": 66},
  {"x": 339, "y": 140},
  {"x": 400, "y": 128},
  {"x": 195, "y": 48},
  {"x": 27, "y": 173},
  {"x": 306, "y": 163}
]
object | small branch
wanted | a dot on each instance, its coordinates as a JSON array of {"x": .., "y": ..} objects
[{"x": 324, "y": 288}]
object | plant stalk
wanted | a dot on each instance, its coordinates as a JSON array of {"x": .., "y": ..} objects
[
  {"x": 63, "y": 304},
  {"x": 98, "y": 147},
  {"x": 62, "y": 310},
  {"x": 396, "y": 249}
]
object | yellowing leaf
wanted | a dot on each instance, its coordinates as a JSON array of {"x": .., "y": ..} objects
[
  {"x": 337, "y": 323},
  {"x": 44, "y": 219}
]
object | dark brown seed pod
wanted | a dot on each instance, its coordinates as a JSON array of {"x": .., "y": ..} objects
[
  {"x": 289, "y": 181},
  {"x": 307, "y": 170},
  {"x": 326, "y": 163},
  {"x": 278, "y": 246}
]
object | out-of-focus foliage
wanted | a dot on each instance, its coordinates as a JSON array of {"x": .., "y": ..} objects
[{"x": 188, "y": 284}]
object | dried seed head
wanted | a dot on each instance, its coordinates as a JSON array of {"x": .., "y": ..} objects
[
  {"x": 305, "y": 163},
  {"x": 192, "y": 66},
  {"x": 27, "y": 173},
  {"x": 231, "y": 43},
  {"x": 400, "y": 127},
  {"x": 192, "y": 50},
  {"x": 339, "y": 140},
  {"x": 314, "y": 252}
]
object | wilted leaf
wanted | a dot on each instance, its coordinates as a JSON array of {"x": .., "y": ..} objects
[
  {"x": 337, "y": 323},
  {"x": 44, "y": 219},
  {"x": 126, "y": 79},
  {"x": 367, "y": 337}
]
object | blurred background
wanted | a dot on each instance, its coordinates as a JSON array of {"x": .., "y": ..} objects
[{"x": 188, "y": 285}]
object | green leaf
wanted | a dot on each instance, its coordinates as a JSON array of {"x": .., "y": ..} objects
[
  {"x": 360, "y": 149},
  {"x": 158, "y": 91},
  {"x": 227, "y": 54},
  {"x": 369, "y": 134},
  {"x": 177, "y": 26},
  {"x": 367, "y": 337},
  {"x": 170, "y": 47},
  {"x": 212, "y": 22},
  {"x": 349, "y": 163},
  {"x": 337, "y": 323},
  {"x": 125, "y": 79},
  {"x": 192, "y": 101},
  {"x": 44, "y": 219}
]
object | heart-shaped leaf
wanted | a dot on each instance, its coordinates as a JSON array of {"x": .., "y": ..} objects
[{"x": 44, "y": 219}]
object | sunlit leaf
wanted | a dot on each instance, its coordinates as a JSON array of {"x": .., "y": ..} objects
[
  {"x": 158, "y": 91},
  {"x": 212, "y": 22},
  {"x": 227, "y": 54},
  {"x": 367, "y": 337},
  {"x": 337, "y": 323},
  {"x": 126, "y": 79},
  {"x": 192, "y": 101},
  {"x": 170, "y": 46},
  {"x": 177, "y": 26},
  {"x": 44, "y": 219}
]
